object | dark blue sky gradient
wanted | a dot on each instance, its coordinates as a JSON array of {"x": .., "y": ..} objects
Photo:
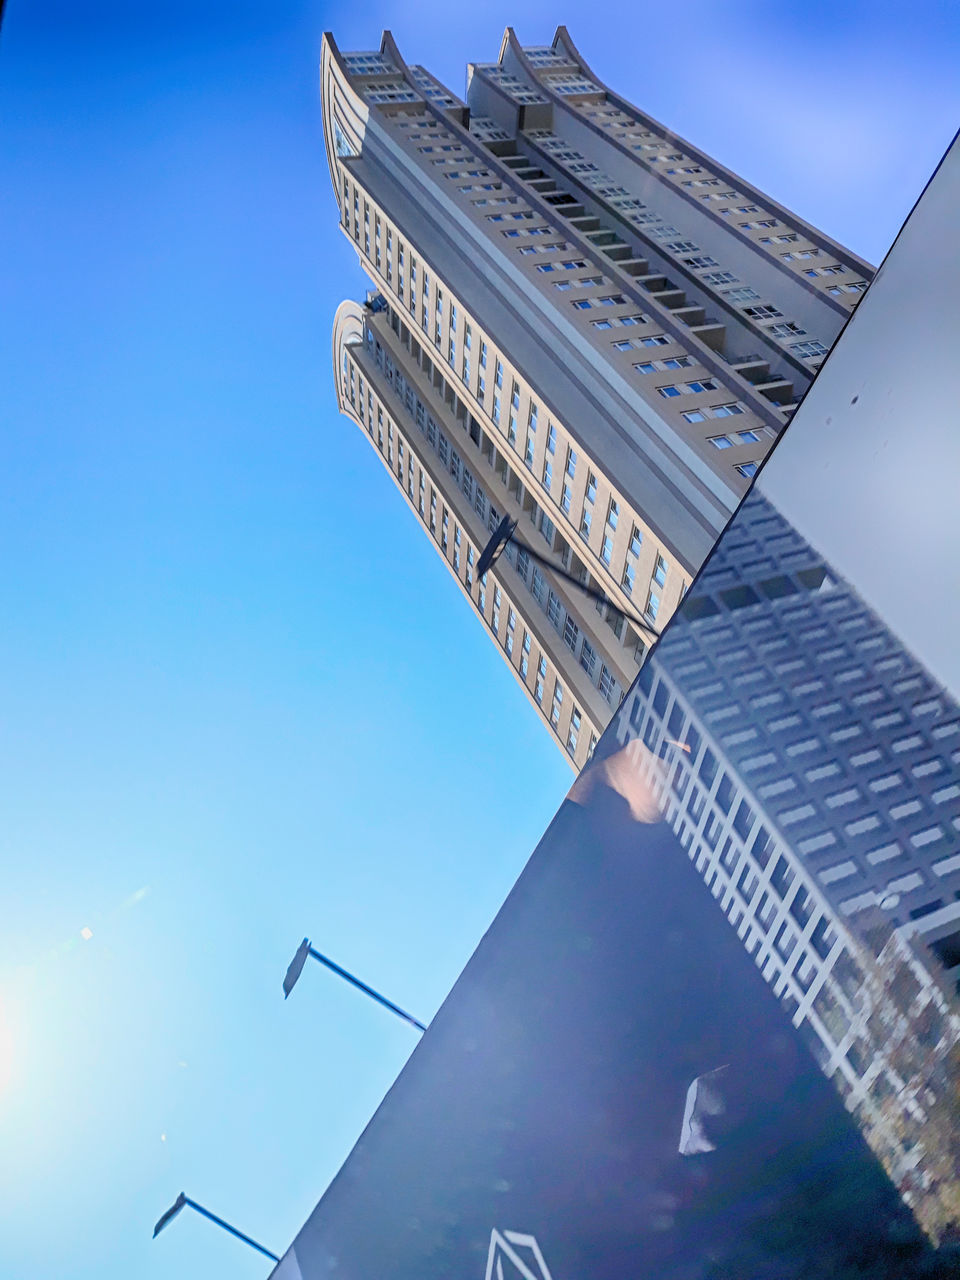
[{"x": 240, "y": 698}]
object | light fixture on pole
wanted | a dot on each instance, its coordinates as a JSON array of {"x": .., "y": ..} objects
[
  {"x": 183, "y": 1202},
  {"x": 300, "y": 959},
  {"x": 505, "y": 533}
]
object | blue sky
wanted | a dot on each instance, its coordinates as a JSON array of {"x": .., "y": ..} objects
[{"x": 225, "y": 719}]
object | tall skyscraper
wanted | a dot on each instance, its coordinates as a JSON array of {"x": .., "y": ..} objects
[
  {"x": 713, "y": 1030},
  {"x": 809, "y": 766},
  {"x": 577, "y": 319}
]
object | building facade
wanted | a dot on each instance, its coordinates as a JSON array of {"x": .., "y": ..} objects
[
  {"x": 577, "y": 319},
  {"x": 810, "y": 767}
]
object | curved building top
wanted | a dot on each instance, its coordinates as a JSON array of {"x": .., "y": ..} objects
[{"x": 347, "y": 330}]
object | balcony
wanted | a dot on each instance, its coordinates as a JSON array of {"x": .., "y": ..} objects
[
  {"x": 634, "y": 266},
  {"x": 778, "y": 390},
  {"x": 690, "y": 316},
  {"x": 743, "y": 362},
  {"x": 670, "y": 298},
  {"x": 711, "y": 334},
  {"x": 603, "y": 237}
]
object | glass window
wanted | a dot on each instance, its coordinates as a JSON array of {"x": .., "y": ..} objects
[
  {"x": 557, "y": 703},
  {"x": 573, "y": 732}
]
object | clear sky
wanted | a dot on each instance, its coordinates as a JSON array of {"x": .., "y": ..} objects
[{"x": 225, "y": 719}]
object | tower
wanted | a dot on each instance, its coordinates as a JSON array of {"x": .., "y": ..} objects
[{"x": 577, "y": 319}]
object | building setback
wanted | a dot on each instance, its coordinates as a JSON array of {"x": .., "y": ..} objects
[{"x": 577, "y": 319}]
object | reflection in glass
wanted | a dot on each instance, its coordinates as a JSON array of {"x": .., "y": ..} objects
[{"x": 808, "y": 765}]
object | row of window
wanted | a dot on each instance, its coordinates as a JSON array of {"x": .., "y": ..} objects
[
  {"x": 449, "y": 457},
  {"x": 367, "y": 64},
  {"x": 629, "y": 131},
  {"x": 432, "y": 89},
  {"x": 564, "y": 498},
  {"x": 741, "y": 296},
  {"x": 586, "y": 304},
  {"x": 867, "y": 709},
  {"x": 761, "y": 889},
  {"x": 441, "y": 531},
  {"x": 566, "y": 625},
  {"x": 514, "y": 89},
  {"x": 542, "y": 56},
  {"x": 511, "y": 428}
]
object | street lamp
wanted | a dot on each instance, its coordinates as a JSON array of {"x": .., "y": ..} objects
[
  {"x": 183, "y": 1201},
  {"x": 505, "y": 532},
  {"x": 300, "y": 959}
]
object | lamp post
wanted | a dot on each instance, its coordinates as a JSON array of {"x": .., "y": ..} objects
[
  {"x": 300, "y": 959},
  {"x": 505, "y": 533},
  {"x": 183, "y": 1202}
]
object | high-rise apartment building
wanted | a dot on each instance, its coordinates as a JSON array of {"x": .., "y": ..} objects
[{"x": 577, "y": 319}]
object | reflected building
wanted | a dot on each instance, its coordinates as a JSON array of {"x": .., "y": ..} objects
[
  {"x": 810, "y": 767},
  {"x": 578, "y": 319}
]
